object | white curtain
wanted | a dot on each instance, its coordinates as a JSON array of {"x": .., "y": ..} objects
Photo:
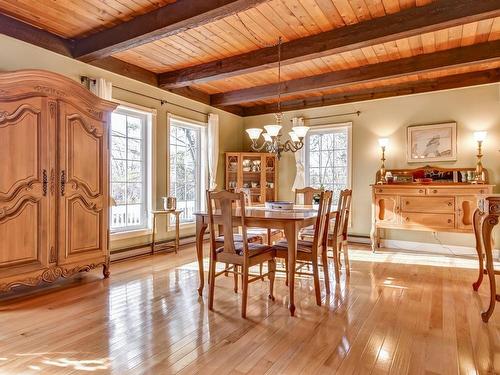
[
  {"x": 213, "y": 149},
  {"x": 102, "y": 88},
  {"x": 300, "y": 158}
]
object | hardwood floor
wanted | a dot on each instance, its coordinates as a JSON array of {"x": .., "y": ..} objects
[{"x": 398, "y": 313}]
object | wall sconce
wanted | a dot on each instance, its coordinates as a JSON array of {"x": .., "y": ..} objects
[
  {"x": 383, "y": 143},
  {"x": 479, "y": 174}
]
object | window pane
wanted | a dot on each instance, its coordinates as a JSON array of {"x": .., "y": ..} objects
[
  {"x": 119, "y": 147},
  {"x": 340, "y": 157},
  {"x": 134, "y": 171},
  {"x": 134, "y": 217},
  {"x": 134, "y": 193},
  {"x": 134, "y": 149},
  {"x": 118, "y": 192},
  {"x": 118, "y": 216},
  {"x": 341, "y": 140},
  {"x": 134, "y": 127},
  {"x": 118, "y": 170},
  {"x": 118, "y": 125}
]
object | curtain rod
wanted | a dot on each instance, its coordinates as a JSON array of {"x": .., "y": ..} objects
[
  {"x": 162, "y": 101},
  {"x": 357, "y": 113}
]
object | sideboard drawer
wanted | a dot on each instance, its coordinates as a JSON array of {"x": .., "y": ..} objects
[
  {"x": 428, "y": 204},
  {"x": 444, "y": 221},
  {"x": 458, "y": 191},
  {"x": 399, "y": 191}
]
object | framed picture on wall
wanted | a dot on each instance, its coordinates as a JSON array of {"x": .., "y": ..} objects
[{"x": 431, "y": 143}]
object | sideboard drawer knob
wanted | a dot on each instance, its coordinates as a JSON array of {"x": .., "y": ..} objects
[
  {"x": 434, "y": 191},
  {"x": 407, "y": 203},
  {"x": 450, "y": 221},
  {"x": 421, "y": 191},
  {"x": 407, "y": 219},
  {"x": 450, "y": 204}
]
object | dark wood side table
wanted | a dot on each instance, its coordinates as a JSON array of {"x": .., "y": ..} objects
[
  {"x": 485, "y": 218},
  {"x": 177, "y": 214}
]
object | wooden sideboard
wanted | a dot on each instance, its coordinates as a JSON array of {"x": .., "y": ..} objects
[{"x": 438, "y": 207}]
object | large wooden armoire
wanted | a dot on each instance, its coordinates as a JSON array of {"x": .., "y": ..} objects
[{"x": 54, "y": 189}]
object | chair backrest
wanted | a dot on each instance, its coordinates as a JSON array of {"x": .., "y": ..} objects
[
  {"x": 221, "y": 206},
  {"x": 343, "y": 211},
  {"x": 321, "y": 227},
  {"x": 308, "y": 194}
]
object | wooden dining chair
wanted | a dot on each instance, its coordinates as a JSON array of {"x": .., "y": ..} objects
[
  {"x": 308, "y": 194},
  {"x": 308, "y": 252},
  {"x": 242, "y": 255},
  {"x": 338, "y": 238}
]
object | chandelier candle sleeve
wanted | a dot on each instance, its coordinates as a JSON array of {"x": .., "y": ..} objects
[
  {"x": 301, "y": 131},
  {"x": 254, "y": 133},
  {"x": 273, "y": 130}
]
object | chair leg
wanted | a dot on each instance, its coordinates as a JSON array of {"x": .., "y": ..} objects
[
  {"x": 317, "y": 290},
  {"x": 226, "y": 273},
  {"x": 286, "y": 271},
  {"x": 345, "y": 249},
  {"x": 236, "y": 278},
  {"x": 212, "y": 285},
  {"x": 271, "y": 264},
  {"x": 244, "y": 297},
  {"x": 324, "y": 260},
  {"x": 260, "y": 272},
  {"x": 336, "y": 261}
]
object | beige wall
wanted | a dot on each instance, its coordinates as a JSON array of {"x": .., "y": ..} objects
[
  {"x": 472, "y": 108},
  {"x": 19, "y": 55},
  {"x": 476, "y": 108}
]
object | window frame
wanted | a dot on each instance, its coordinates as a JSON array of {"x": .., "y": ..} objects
[
  {"x": 322, "y": 129},
  {"x": 202, "y": 166},
  {"x": 148, "y": 168}
]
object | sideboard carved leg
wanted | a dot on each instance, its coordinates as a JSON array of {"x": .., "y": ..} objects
[
  {"x": 487, "y": 227},
  {"x": 477, "y": 217}
]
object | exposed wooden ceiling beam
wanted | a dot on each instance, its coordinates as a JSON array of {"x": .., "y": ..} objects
[
  {"x": 160, "y": 23},
  {"x": 457, "y": 57},
  {"x": 33, "y": 35},
  {"x": 414, "y": 21},
  {"x": 422, "y": 86}
]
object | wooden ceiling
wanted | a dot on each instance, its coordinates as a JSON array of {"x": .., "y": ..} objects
[{"x": 223, "y": 52}]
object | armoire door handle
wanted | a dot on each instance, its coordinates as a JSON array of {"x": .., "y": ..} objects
[
  {"x": 63, "y": 181},
  {"x": 45, "y": 182}
]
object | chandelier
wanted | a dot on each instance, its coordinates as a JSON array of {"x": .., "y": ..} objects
[{"x": 272, "y": 136}]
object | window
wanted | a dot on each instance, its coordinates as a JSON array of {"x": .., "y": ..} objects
[
  {"x": 328, "y": 158},
  {"x": 129, "y": 169},
  {"x": 187, "y": 167}
]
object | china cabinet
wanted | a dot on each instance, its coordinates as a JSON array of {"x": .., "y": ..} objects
[{"x": 255, "y": 171}]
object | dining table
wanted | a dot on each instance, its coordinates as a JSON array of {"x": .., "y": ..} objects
[{"x": 258, "y": 216}]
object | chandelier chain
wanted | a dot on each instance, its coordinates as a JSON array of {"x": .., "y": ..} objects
[{"x": 260, "y": 42}]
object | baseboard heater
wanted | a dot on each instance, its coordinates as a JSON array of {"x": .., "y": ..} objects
[{"x": 145, "y": 249}]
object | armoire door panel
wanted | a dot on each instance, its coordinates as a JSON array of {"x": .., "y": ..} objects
[
  {"x": 24, "y": 184},
  {"x": 20, "y": 234},
  {"x": 82, "y": 191},
  {"x": 84, "y": 227},
  {"x": 20, "y": 147},
  {"x": 84, "y": 137}
]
